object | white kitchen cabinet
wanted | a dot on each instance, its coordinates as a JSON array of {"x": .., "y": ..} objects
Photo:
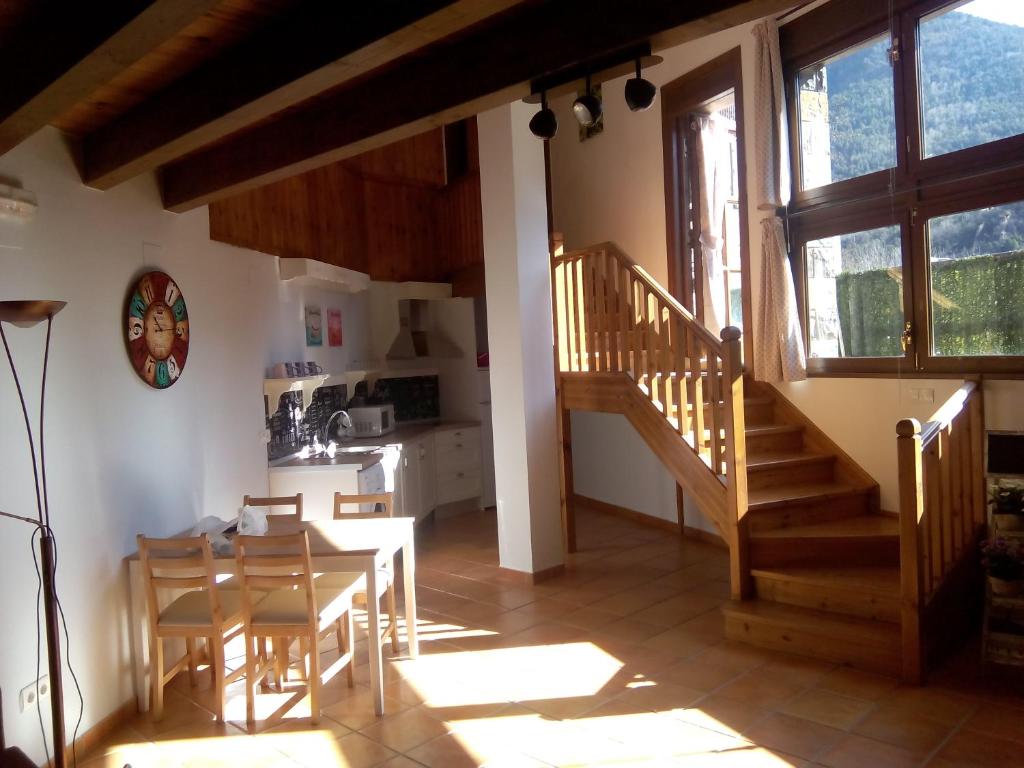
[
  {"x": 459, "y": 475},
  {"x": 418, "y": 484}
]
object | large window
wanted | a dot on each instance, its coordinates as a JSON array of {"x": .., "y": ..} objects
[{"x": 907, "y": 220}]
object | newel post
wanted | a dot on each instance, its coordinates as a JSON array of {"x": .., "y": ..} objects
[
  {"x": 735, "y": 464},
  {"x": 911, "y": 486}
]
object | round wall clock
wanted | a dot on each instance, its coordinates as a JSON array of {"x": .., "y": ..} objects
[{"x": 157, "y": 330}]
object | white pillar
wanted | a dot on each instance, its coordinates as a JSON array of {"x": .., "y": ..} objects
[{"x": 520, "y": 334}]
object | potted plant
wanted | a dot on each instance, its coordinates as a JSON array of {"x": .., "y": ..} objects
[
  {"x": 1007, "y": 502},
  {"x": 1004, "y": 561}
]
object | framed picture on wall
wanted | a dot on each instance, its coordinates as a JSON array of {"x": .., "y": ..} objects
[
  {"x": 314, "y": 326},
  {"x": 334, "y": 327}
]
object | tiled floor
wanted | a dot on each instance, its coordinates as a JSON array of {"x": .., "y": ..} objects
[{"x": 620, "y": 662}]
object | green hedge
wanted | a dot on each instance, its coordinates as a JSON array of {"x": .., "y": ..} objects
[{"x": 978, "y": 308}]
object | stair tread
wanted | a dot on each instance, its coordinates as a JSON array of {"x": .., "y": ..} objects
[
  {"x": 762, "y": 498},
  {"x": 883, "y": 634},
  {"x": 772, "y": 459},
  {"x": 876, "y": 579},
  {"x": 772, "y": 429},
  {"x": 866, "y": 526}
]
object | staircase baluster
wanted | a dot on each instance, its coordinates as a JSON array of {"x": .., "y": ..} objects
[
  {"x": 577, "y": 312},
  {"x": 612, "y": 275},
  {"x": 679, "y": 364},
  {"x": 715, "y": 422},
  {"x": 695, "y": 353},
  {"x": 625, "y": 304}
]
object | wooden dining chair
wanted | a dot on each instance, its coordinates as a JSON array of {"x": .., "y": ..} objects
[
  {"x": 295, "y": 502},
  {"x": 383, "y": 506},
  {"x": 292, "y": 607},
  {"x": 203, "y": 611}
]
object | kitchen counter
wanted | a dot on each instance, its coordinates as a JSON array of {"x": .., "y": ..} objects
[
  {"x": 406, "y": 433},
  {"x": 373, "y": 448}
]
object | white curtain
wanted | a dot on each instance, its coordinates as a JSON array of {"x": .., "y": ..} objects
[
  {"x": 715, "y": 182},
  {"x": 778, "y": 342}
]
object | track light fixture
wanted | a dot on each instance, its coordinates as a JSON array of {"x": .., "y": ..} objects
[
  {"x": 640, "y": 93},
  {"x": 544, "y": 124},
  {"x": 587, "y": 108}
]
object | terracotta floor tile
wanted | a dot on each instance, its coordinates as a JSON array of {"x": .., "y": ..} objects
[
  {"x": 760, "y": 689},
  {"x": 997, "y": 720},
  {"x": 943, "y": 706},
  {"x": 722, "y": 714},
  {"x": 697, "y": 674},
  {"x": 793, "y": 735},
  {"x": 912, "y": 730},
  {"x": 860, "y": 685},
  {"x": 406, "y": 730},
  {"x": 855, "y": 751},
  {"x": 828, "y": 708},
  {"x": 982, "y": 750}
]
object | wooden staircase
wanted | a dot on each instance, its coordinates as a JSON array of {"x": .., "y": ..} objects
[
  {"x": 824, "y": 559},
  {"x": 815, "y": 566}
]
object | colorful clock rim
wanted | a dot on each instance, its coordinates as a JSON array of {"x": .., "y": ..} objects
[{"x": 132, "y": 293}]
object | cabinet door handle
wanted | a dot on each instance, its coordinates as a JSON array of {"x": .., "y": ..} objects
[
  {"x": 458, "y": 445},
  {"x": 459, "y": 474},
  {"x": 458, "y": 434}
]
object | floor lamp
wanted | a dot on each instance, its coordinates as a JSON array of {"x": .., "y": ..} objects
[{"x": 26, "y": 314}]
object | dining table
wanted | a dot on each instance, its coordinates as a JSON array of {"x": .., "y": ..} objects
[{"x": 357, "y": 545}]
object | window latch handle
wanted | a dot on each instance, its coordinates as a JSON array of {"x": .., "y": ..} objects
[{"x": 907, "y": 337}]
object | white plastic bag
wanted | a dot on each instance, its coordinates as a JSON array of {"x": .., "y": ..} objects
[
  {"x": 252, "y": 521},
  {"x": 214, "y": 527}
]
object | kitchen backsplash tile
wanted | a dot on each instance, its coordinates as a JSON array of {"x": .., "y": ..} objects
[
  {"x": 416, "y": 398},
  {"x": 288, "y": 434}
]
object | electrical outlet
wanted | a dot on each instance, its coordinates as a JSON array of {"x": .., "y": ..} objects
[
  {"x": 27, "y": 697},
  {"x": 921, "y": 394}
]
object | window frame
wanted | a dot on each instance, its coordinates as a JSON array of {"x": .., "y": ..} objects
[{"x": 913, "y": 192}]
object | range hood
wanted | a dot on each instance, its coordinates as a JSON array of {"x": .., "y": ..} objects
[{"x": 417, "y": 337}]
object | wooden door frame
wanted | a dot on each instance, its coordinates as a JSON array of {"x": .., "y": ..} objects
[{"x": 679, "y": 98}]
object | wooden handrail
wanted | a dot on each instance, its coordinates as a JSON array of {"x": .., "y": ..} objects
[
  {"x": 652, "y": 285},
  {"x": 942, "y": 512},
  {"x": 611, "y": 316}
]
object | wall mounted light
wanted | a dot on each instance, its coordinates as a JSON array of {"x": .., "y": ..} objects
[
  {"x": 544, "y": 124},
  {"x": 587, "y": 108},
  {"x": 640, "y": 93}
]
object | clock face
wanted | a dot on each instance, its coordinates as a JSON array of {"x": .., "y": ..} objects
[{"x": 157, "y": 330}]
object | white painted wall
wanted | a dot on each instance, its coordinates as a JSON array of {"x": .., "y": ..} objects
[
  {"x": 611, "y": 187},
  {"x": 520, "y": 340},
  {"x": 124, "y": 458}
]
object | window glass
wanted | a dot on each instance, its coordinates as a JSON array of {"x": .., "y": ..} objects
[
  {"x": 971, "y": 75},
  {"x": 855, "y": 294},
  {"x": 976, "y": 260},
  {"x": 847, "y": 115}
]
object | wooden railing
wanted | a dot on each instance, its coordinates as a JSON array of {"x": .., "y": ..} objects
[
  {"x": 611, "y": 316},
  {"x": 942, "y": 513}
]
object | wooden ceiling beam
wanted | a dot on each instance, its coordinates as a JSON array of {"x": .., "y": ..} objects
[
  {"x": 449, "y": 81},
  {"x": 65, "y": 50},
  {"x": 313, "y": 48}
]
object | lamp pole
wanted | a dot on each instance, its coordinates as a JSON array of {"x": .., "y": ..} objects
[{"x": 26, "y": 314}]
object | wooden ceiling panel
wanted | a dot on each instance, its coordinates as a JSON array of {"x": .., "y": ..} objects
[{"x": 215, "y": 31}]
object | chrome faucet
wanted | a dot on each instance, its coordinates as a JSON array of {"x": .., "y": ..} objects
[{"x": 346, "y": 424}]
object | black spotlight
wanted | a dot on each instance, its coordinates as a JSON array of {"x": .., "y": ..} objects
[
  {"x": 544, "y": 124},
  {"x": 587, "y": 108},
  {"x": 640, "y": 93}
]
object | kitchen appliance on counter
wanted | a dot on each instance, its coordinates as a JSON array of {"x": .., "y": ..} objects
[{"x": 372, "y": 420}]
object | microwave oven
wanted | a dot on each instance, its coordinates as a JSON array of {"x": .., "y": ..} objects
[{"x": 372, "y": 420}]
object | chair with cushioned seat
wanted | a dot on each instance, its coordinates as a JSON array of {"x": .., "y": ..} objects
[
  {"x": 386, "y": 576},
  {"x": 281, "y": 567},
  {"x": 203, "y": 611}
]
